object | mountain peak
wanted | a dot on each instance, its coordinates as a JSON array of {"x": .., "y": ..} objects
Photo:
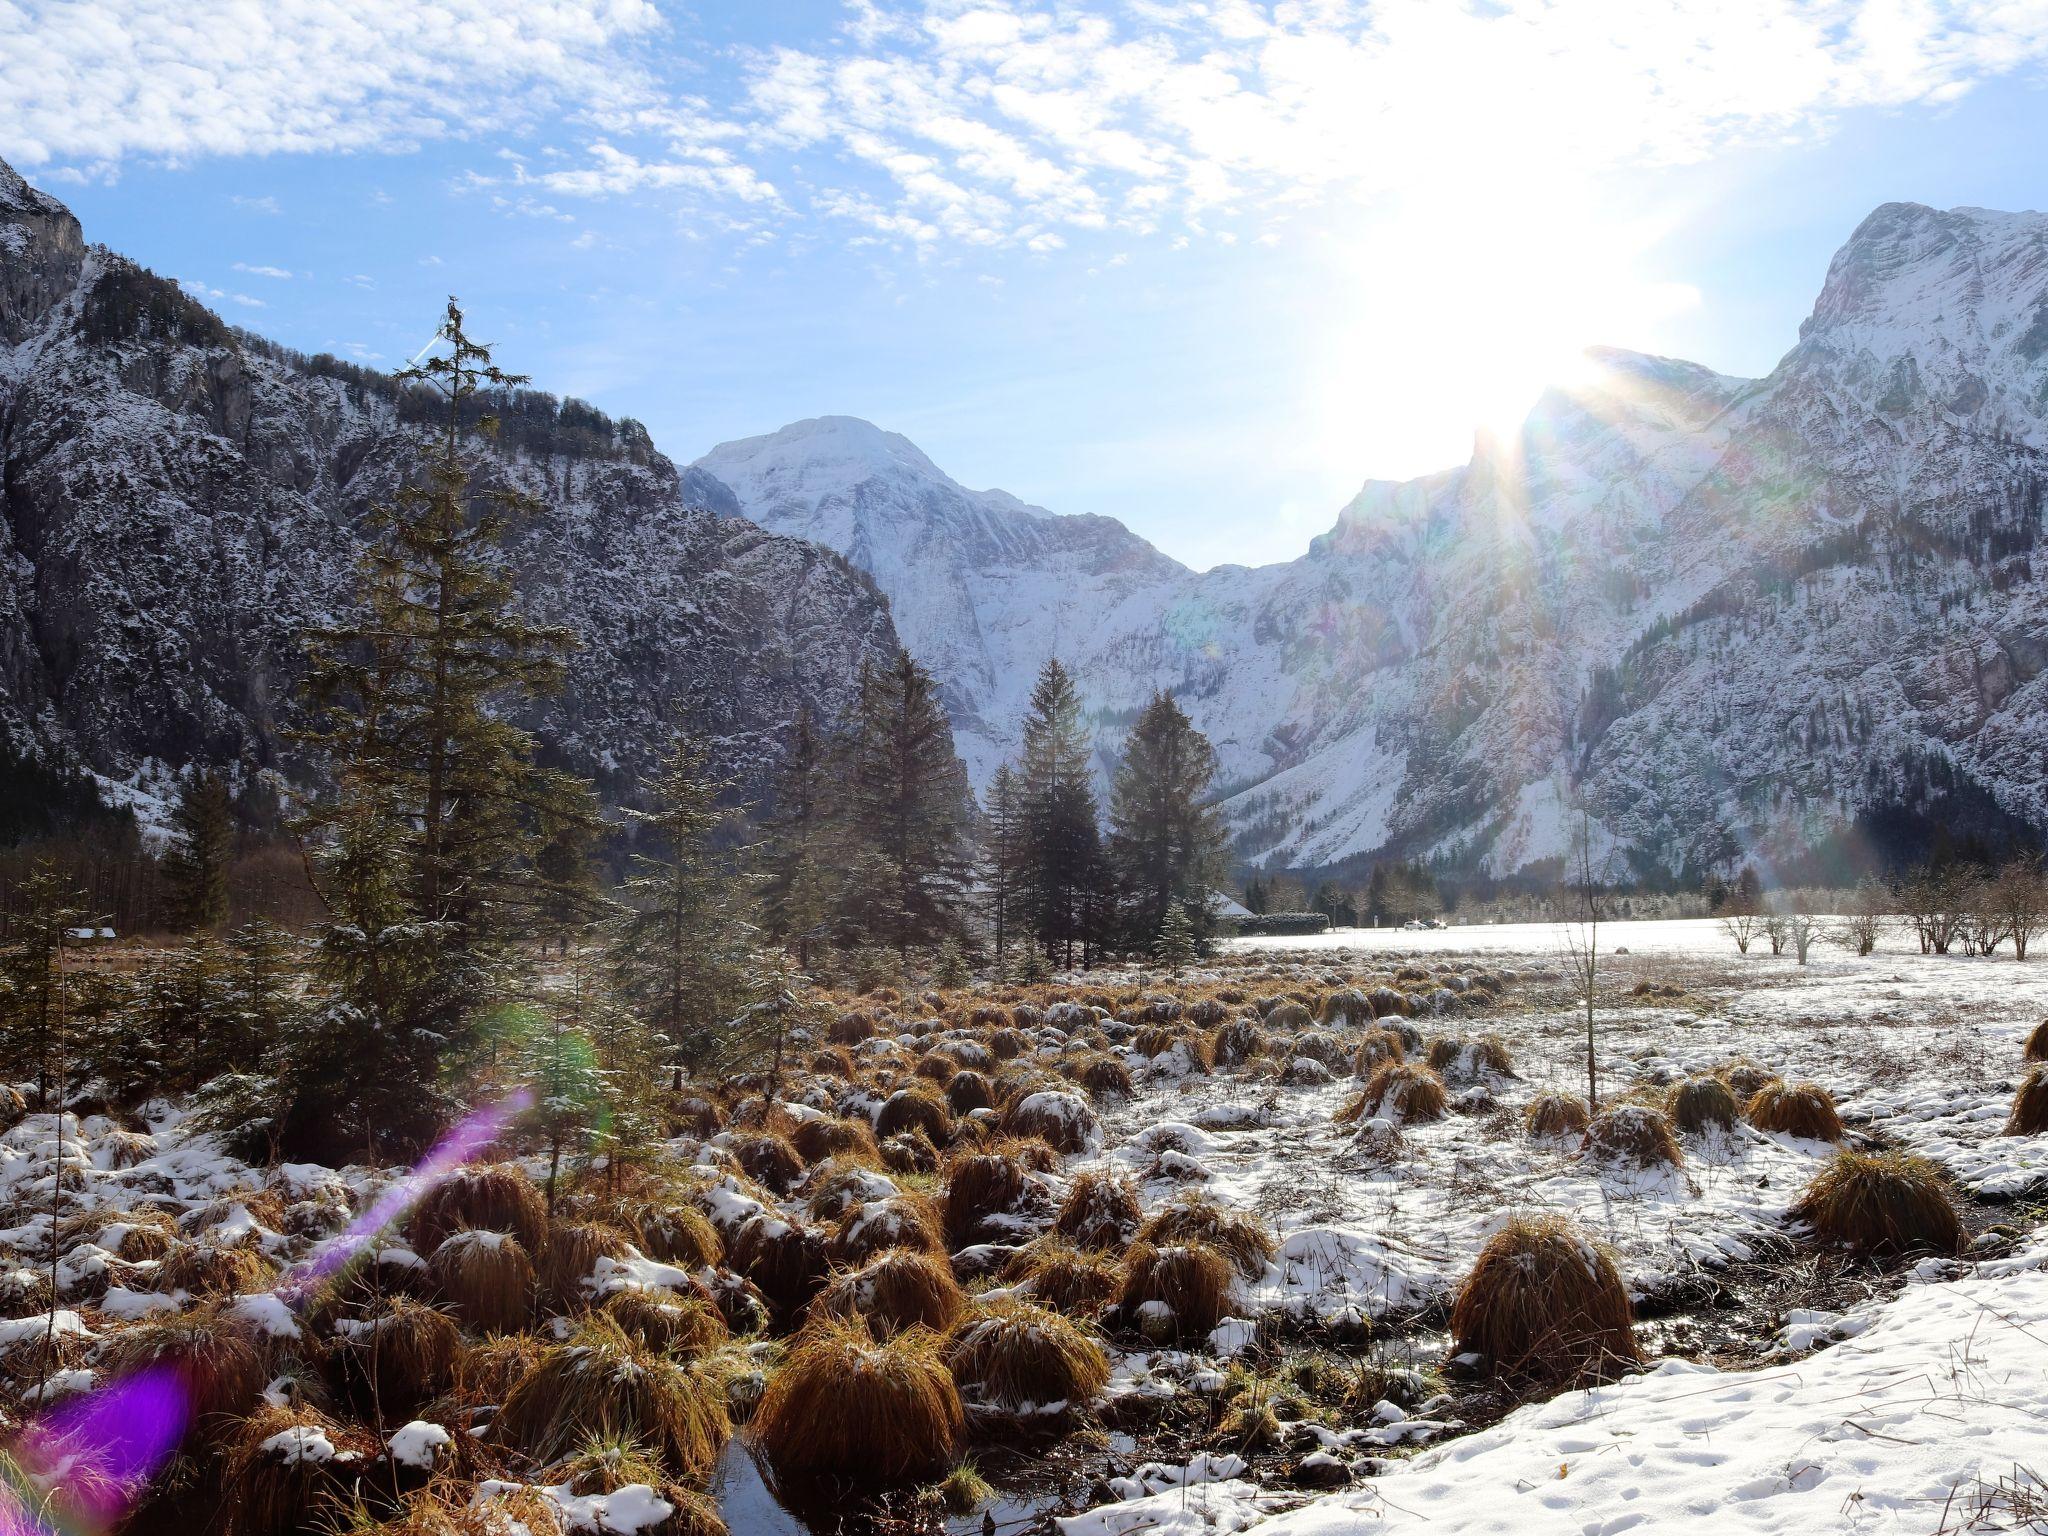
[
  {"x": 1909, "y": 266},
  {"x": 17, "y": 196}
]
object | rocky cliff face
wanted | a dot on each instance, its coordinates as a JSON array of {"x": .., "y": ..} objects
[
  {"x": 177, "y": 499},
  {"x": 1723, "y": 618}
]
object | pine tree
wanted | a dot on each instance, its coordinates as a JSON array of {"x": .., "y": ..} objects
[
  {"x": 908, "y": 811},
  {"x": 35, "y": 991},
  {"x": 680, "y": 954},
  {"x": 1178, "y": 944},
  {"x": 554, "y": 1061},
  {"x": 196, "y": 866},
  {"x": 800, "y": 888},
  {"x": 1166, "y": 840},
  {"x": 1062, "y": 841},
  {"x": 1004, "y": 829}
]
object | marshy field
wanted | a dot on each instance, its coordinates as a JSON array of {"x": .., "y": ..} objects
[{"x": 1319, "y": 1236}]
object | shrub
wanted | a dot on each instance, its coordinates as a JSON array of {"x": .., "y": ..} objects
[
  {"x": 848, "y": 1140},
  {"x": 872, "y": 1412},
  {"x": 484, "y": 1197},
  {"x": 1545, "y": 1302},
  {"x": 600, "y": 1384},
  {"x": 1079, "y": 1282},
  {"x": 898, "y": 1290},
  {"x": 1239, "y": 1236},
  {"x": 1400, "y": 1090},
  {"x": 1806, "y": 1110},
  {"x": 1101, "y": 1210},
  {"x": 1881, "y": 1203},
  {"x": 1702, "y": 1103},
  {"x": 1632, "y": 1134},
  {"x": 1554, "y": 1116},
  {"x": 1175, "y": 1292},
  {"x": 1020, "y": 1357},
  {"x": 785, "y": 1260},
  {"x": 486, "y": 1277},
  {"x": 2029, "y": 1116}
]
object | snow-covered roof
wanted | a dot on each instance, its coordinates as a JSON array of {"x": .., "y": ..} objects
[{"x": 1221, "y": 905}]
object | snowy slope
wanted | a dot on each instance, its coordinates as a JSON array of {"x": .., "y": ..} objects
[
  {"x": 1728, "y": 616},
  {"x": 178, "y": 499}
]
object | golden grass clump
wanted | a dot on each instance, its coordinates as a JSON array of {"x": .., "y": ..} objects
[
  {"x": 968, "y": 1091},
  {"x": 486, "y": 1277},
  {"x": 220, "y": 1362},
  {"x": 1235, "y": 1043},
  {"x": 1882, "y": 1203},
  {"x": 1240, "y": 1236},
  {"x": 1806, "y": 1110},
  {"x": 1079, "y": 1282},
  {"x": 2037, "y": 1043},
  {"x": 486, "y": 1371},
  {"x": 916, "y": 1108},
  {"x": 1175, "y": 1292},
  {"x": 910, "y": 1152},
  {"x": 902, "y": 1289},
  {"x": 1701, "y": 1104},
  {"x": 1544, "y": 1302},
  {"x": 485, "y": 1197},
  {"x": 571, "y": 1254},
  {"x": 826, "y": 1136},
  {"x": 1101, "y": 1074},
  {"x": 1745, "y": 1078},
  {"x": 282, "y": 1472},
  {"x": 1634, "y": 1135},
  {"x": 1020, "y": 1357},
  {"x": 1347, "y": 1006},
  {"x": 396, "y": 1359},
  {"x": 1376, "y": 1047},
  {"x": 852, "y": 1028},
  {"x": 1101, "y": 1210},
  {"x": 682, "y": 1325},
  {"x": 679, "y": 1234},
  {"x": 208, "y": 1270},
  {"x": 900, "y": 1221},
  {"x": 769, "y": 1160},
  {"x": 601, "y": 1384},
  {"x": 872, "y": 1412},
  {"x": 1555, "y": 1116},
  {"x": 2029, "y": 1114},
  {"x": 979, "y": 1185},
  {"x": 1401, "y": 1091},
  {"x": 785, "y": 1261}
]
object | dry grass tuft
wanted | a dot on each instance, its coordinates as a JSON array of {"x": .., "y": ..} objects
[
  {"x": 1745, "y": 1078},
  {"x": 600, "y": 1384},
  {"x": 783, "y": 1259},
  {"x": 486, "y": 1277},
  {"x": 979, "y": 1185},
  {"x": 917, "y": 1108},
  {"x": 682, "y": 1326},
  {"x": 1078, "y": 1282},
  {"x": 1401, "y": 1091},
  {"x": 1882, "y": 1203},
  {"x": 1702, "y": 1103},
  {"x": 1239, "y": 1236},
  {"x": 220, "y": 1362},
  {"x": 1101, "y": 1210},
  {"x": 1376, "y": 1047},
  {"x": 208, "y": 1270},
  {"x": 1544, "y": 1302},
  {"x": 1347, "y": 1006},
  {"x": 969, "y": 1091},
  {"x": 900, "y": 1221},
  {"x": 895, "y": 1291},
  {"x": 2029, "y": 1116},
  {"x": 2037, "y": 1043},
  {"x": 875, "y": 1413},
  {"x": 281, "y": 1476},
  {"x": 1237, "y": 1042},
  {"x": 1555, "y": 1116},
  {"x": 1634, "y": 1135},
  {"x": 484, "y": 1197},
  {"x": 1177, "y": 1292},
  {"x": 571, "y": 1254},
  {"x": 769, "y": 1160},
  {"x": 1806, "y": 1110},
  {"x": 679, "y": 1234},
  {"x": 910, "y": 1152},
  {"x": 1017, "y": 1356},
  {"x": 1102, "y": 1075},
  {"x": 847, "y": 1140},
  {"x": 396, "y": 1359}
]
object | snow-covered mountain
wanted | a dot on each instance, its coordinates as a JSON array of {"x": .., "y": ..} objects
[
  {"x": 1728, "y": 617},
  {"x": 177, "y": 499}
]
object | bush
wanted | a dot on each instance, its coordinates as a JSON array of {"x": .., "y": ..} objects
[
  {"x": 895, "y": 1291},
  {"x": 1019, "y": 1357},
  {"x": 1101, "y": 1211},
  {"x": 1881, "y": 1203},
  {"x": 1632, "y": 1134},
  {"x": 486, "y": 1277},
  {"x": 1806, "y": 1110},
  {"x": 1544, "y": 1302},
  {"x": 599, "y": 1384},
  {"x": 1175, "y": 1292},
  {"x": 486, "y": 1197},
  {"x": 1702, "y": 1103},
  {"x": 873, "y": 1413},
  {"x": 1239, "y": 1236},
  {"x": 1400, "y": 1090},
  {"x": 1554, "y": 1116},
  {"x": 2029, "y": 1115}
]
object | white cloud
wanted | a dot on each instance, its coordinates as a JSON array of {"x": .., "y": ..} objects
[
  {"x": 257, "y": 271},
  {"x": 247, "y": 302}
]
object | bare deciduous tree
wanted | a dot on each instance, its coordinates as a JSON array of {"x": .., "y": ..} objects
[
  {"x": 2014, "y": 903},
  {"x": 1868, "y": 905}
]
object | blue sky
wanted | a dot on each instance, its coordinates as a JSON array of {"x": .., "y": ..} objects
[{"x": 1203, "y": 265}]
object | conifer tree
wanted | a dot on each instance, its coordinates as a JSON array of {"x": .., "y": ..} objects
[
  {"x": 908, "y": 810},
  {"x": 1177, "y": 944},
  {"x": 35, "y": 992},
  {"x": 196, "y": 866},
  {"x": 1004, "y": 829},
  {"x": 680, "y": 953},
  {"x": 799, "y": 886},
  {"x": 1062, "y": 841},
  {"x": 1166, "y": 840}
]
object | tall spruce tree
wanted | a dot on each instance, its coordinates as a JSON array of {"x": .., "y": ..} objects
[
  {"x": 1004, "y": 829},
  {"x": 428, "y": 849},
  {"x": 1166, "y": 840},
  {"x": 35, "y": 990},
  {"x": 1063, "y": 844},
  {"x": 680, "y": 953},
  {"x": 908, "y": 810},
  {"x": 196, "y": 865},
  {"x": 800, "y": 887}
]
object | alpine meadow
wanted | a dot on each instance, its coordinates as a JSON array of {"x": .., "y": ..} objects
[{"x": 1454, "y": 943}]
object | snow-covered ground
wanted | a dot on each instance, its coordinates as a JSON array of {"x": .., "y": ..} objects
[{"x": 1912, "y": 1415}]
